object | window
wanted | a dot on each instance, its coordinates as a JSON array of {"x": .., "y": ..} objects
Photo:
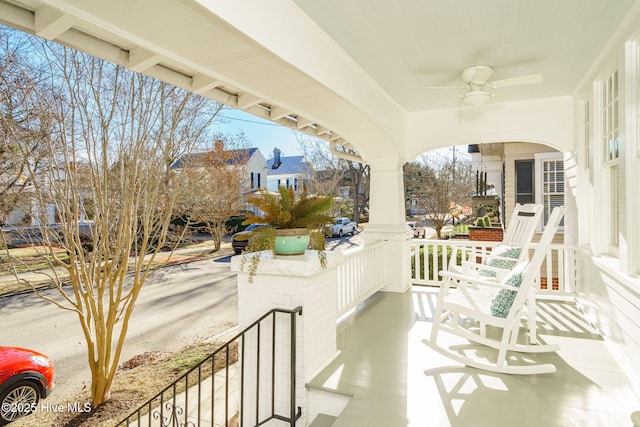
[
  {"x": 524, "y": 181},
  {"x": 611, "y": 149},
  {"x": 587, "y": 136},
  {"x": 541, "y": 180},
  {"x": 610, "y": 137},
  {"x": 252, "y": 183},
  {"x": 552, "y": 183},
  {"x": 259, "y": 175}
]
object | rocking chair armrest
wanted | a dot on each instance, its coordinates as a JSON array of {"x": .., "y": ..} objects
[
  {"x": 475, "y": 267},
  {"x": 462, "y": 279}
]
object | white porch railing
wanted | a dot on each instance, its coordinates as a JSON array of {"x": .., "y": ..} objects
[
  {"x": 360, "y": 275},
  {"x": 557, "y": 274}
]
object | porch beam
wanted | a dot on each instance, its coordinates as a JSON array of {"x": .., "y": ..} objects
[
  {"x": 142, "y": 59},
  {"x": 50, "y": 24},
  {"x": 303, "y": 122},
  {"x": 277, "y": 113},
  {"x": 201, "y": 83},
  {"x": 246, "y": 100}
]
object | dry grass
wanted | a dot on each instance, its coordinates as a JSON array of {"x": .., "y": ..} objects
[{"x": 139, "y": 379}]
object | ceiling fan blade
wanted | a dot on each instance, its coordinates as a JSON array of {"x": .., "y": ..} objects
[
  {"x": 515, "y": 81},
  {"x": 442, "y": 87}
]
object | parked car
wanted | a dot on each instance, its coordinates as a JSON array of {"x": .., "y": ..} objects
[
  {"x": 340, "y": 227},
  {"x": 240, "y": 240},
  {"x": 26, "y": 376},
  {"x": 417, "y": 231}
]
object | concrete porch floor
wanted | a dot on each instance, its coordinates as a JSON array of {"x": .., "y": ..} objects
[{"x": 396, "y": 380}]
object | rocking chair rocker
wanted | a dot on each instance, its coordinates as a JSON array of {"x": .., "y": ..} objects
[{"x": 499, "y": 303}]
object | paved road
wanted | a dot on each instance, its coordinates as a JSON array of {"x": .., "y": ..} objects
[{"x": 178, "y": 305}]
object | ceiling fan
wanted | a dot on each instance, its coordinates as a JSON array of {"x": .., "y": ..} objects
[{"x": 477, "y": 90}]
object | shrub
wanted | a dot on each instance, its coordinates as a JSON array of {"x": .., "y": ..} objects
[{"x": 440, "y": 266}]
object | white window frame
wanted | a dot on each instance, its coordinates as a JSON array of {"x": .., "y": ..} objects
[
  {"x": 539, "y": 180},
  {"x": 611, "y": 149},
  {"x": 586, "y": 133}
]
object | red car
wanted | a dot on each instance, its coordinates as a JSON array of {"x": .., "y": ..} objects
[{"x": 26, "y": 376}]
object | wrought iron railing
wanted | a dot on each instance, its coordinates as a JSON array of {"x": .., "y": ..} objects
[
  {"x": 557, "y": 274},
  {"x": 231, "y": 387}
]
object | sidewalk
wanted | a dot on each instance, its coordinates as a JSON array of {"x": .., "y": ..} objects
[{"x": 10, "y": 285}]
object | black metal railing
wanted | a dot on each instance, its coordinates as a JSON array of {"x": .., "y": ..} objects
[{"x": 234, "y": 373}]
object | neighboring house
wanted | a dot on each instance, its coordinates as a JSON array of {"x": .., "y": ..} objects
[
  {"x": 251, "y": 159},
  {"x": 522, "y": 172},
  {"x": 286, "y": 171}
]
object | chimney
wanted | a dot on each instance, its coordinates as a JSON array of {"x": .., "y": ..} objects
[{"x": 276, "y": 158}]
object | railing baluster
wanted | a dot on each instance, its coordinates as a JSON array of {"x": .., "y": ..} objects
[
  {"x": 292, "y": 372},
  {"x": 273, "y": 365},
  {"x": 258, "y": 375},
  {"x": 213, "y": 387}
]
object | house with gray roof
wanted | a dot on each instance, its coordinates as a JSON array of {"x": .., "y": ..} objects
[{"x": 286, "y": 171}]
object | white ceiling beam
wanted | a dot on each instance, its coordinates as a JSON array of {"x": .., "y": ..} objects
[
  {"x": 201, "y": 83},
  {"x": 50, "y": 24},
  {"x": 18, "y": 17},
  {"x": 246, "y": 100},
  {"x": 321, "y": 130},
  {"x": 142, "y": 59},
  {"x": 303, "y": 122},
  {"x": 278, "y": 113}
]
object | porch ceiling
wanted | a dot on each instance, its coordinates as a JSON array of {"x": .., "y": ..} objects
[
  {"x": 342, "y": 71},
  {"x": 408, "y": 45}
]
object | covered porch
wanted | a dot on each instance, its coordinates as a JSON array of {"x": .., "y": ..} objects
[{"x": 355, "y": 74}]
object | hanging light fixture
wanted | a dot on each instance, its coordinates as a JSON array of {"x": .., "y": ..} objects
[{"x": 476, "y": 97}]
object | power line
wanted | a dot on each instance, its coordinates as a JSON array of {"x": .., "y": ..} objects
[{"x": 250, "y": 121}]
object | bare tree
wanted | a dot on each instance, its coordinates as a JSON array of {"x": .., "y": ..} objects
[
  {"x": 434, "y": 183},
  {"x": 329, "y": 173},
  {"x": 325, "y": 170},
  {"x": 25, "y": 122},
  {"x": 358, "y": 176},
  {"x": 115, "y": 135},
  {"x": 215, "y": 180}
]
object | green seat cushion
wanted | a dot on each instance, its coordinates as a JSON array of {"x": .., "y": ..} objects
[
  {"x": 496, "y": 259},
  {"x": 503, "y": 299}
]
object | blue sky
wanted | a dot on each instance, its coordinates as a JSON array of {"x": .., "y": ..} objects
[{"x": 260, "y": 133}]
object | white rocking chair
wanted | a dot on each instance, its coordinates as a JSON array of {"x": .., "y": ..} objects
[
  {"x": 513, "y": 249},
  {"x": 497, "y": 303}
]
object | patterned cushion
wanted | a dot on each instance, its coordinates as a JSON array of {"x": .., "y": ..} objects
[
  {"x": 502, "y": 251},
  {"x": 503, "y": 299}
]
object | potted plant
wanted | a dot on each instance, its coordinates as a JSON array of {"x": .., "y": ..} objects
[{"x": 294, "y": 224}]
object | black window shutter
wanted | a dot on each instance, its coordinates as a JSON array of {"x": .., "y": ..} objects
[{"x": 525, "y": 190}]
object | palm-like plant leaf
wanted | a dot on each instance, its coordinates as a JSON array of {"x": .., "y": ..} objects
[{"x": 286, "y": 210}]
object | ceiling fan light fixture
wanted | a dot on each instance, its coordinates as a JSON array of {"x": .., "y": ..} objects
[{"x": 476, "y": 98}]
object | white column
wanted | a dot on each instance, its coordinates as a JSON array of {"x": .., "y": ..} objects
[
  {"x": 387, "y": 222},
  {"x": 287, "y": 282}
]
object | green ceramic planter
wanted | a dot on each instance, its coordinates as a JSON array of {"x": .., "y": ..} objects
[{"x": 291, "y": 241}]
